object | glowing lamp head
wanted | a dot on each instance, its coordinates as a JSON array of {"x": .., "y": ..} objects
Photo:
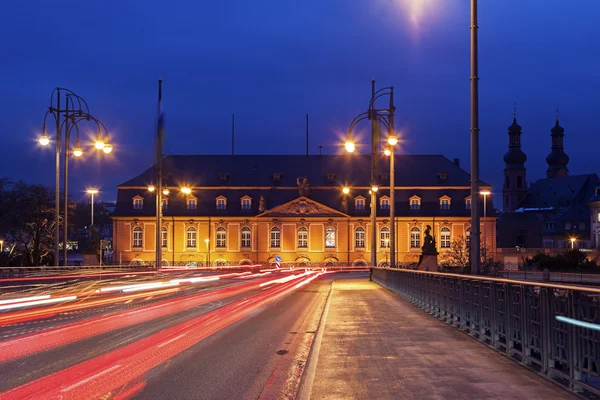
[
  {"x": 151, "y": 188},
  {"x": 392, "y": 140},
  {"x": 107, "y": 148},
  {"x": 485, "y": 192},
  {"x": 44, "y": 139},
  {"x": 374, "y": 188},
  {"x": 92, "y": 191},
  {"x": 99, "y": 144},
  {"x": 166, "y": 191},
  {"x": 346, "y": 190},
  {"x": 186, "y": 190},
  {"x": 387, "y": 151},
  {"x": 77, "y": 151},
  {"x": 350, "y": 146}
]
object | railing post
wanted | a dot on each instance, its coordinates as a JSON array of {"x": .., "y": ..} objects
[
  {"x": 546, "y": 295},
  {"x": 574, "y": 350},
  {"x": 463, "y": 318},
  {"x": 493, "y": 317},
  {"x": 526, "y": 351}
]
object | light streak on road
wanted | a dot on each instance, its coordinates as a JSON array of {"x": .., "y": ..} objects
[
  {"x": 254, "y": 275},
  {"x": 286, "y": 279},
  {"x": 24, "y": 299},
  {"x": 581, "y": 324},
  {"x": 196, "y": 279},
  {"x": 37, "y": 302},
  {"x": 158, "y": 285}
]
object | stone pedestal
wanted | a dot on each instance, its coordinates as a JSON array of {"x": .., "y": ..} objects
[{"x": 428, "y": 262}]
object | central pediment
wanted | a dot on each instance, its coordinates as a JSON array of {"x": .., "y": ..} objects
[{"x": 302, "y": 207}]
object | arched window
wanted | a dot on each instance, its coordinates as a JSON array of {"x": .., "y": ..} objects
[
  {"x": 445, "y": 238},
  {"x": 468, "y": 238},
  {"x": 302, "y": 237},
  {"x": 191, "y": 237},
  {"x": 246, "y": 237},
  {"x": 192, "y": 204},
  {"x": 384, "y": 204},
  {"x": 221, "y": 238},
  {"x": 384, "y": 237},
  {"x": 330, "y": 237},
  {"x": 359, "y": 238},
  {"x": 519, "y": 182},
  {"x": 415, "y": 238},
  {"x": 164, "y": 237},
  {"x": 275, "y": 237},
  {"x": 137, "y": 237}
]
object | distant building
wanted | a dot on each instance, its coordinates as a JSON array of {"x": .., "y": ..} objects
[
  {"x": 556, "y": 212},
  {"x": 244, "y": 209}
]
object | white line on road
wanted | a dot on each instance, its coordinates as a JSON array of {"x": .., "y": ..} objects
[{"x": 172, "y": 340}]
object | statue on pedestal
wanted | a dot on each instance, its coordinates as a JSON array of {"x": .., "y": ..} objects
[
  {"x": 429, "y": 243},
  {"x": 428, "y": 258}
]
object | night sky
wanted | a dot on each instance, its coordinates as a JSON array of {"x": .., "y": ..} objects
[{"x": 271, "y": 62}]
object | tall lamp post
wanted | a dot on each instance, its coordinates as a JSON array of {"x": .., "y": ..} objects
[
  {"x": 377, "y": 116},
  {"x": 475, "y": 238},
  {"x": 390, "y": 150},
  {"x": 73, "y": 111},
  {"x": 92, "y": 192},
  {"x": 207, "y": 240},
  {"x": 485, "y": 194}
]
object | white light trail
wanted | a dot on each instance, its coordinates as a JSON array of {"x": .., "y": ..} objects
[
  {"x": 37, "y": 303},
  {"x": 576, "y": 322},
  {"x": 24, "y": 299}
]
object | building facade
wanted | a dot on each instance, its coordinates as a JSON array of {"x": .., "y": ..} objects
[{"x": 245, "y": 209}]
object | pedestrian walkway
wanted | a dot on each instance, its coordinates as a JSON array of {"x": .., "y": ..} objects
[{"x": 378, "y": 346}]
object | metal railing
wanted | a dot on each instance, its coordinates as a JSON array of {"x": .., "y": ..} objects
[{"x": 552, "y": 328}]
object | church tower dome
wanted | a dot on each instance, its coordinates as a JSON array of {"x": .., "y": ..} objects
[
  {"x": 514, "y": 189},
  {"x": 557, "y": 159}
]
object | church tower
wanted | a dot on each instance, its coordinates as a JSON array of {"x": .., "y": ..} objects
[
  {"x": 557, "y": 159},
  {"x": 514, "y": 189}
]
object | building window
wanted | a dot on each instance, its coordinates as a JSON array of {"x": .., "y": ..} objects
[
  {"x": 415, "y": 203},
  {"x": 548, "y": 244},
  {"x": 549, "y": 226},
  {"x": 192, "y": 204},
  {"x": 468, "y": 204},
  {"x": 468, "y": 238},
  {"x": 165, "y": 203},
  {"x": 445, "y": 238},
  {"x": 444, "y": 204},
  {"x": 163, "y": 237},
  {"x": 246, "y": 237},
  {"x": 582, "y": 226},
  {"x": 330, "y": 237},
  {"x": 221, "y": 238},
  {"x": 385, "y": 204},
  {"x": 191, "y": 237},
  {"x": 519, "y": 182},
  {"x": 246, "y": 204},
  {"x": 302, "y": 238},
  {"x": 567, "y": 226},
  {"x": 138, "y": 203},
  {"x": 415, "y": 238},
  {"x": 221, "y": 203},
  {"x": 275, "y": 238},
  {"x": 359, "y": 238},
  {"x": 384, "y": 237},
  {"x": 359, "y": 203},
  {"x": 137, "y": 237}
]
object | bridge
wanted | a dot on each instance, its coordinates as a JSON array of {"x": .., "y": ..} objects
[{"x": 295, "y": 333}]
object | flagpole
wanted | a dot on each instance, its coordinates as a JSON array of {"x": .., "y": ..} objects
[{"x": 159, "y": 177}]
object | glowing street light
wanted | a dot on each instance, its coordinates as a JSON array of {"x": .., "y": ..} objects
[
  {"x": 92, "y": 192},
  {"x": 350, "y": 146},
  {"x": 77, "y": 150},
  {"x": 186, "y": 190},
  {"x": 151, "y": 188},
  {"x": 346, "y": 190},
  {"x": 572, "y": 243},
  {"x": 107, "y": 148},
  {"x": 374, "y": 188},
  {"x": 44, "y": 138},
  {"x": 392, "y": 140},
  {"x": 166, "y": 191},
  {"x": 387, "y": 151},
  {"x": 485, "y": 193}
]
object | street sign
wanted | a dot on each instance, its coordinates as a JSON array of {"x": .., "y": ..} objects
[
  {"x": 278, "y": 262},
  {"x": 278, "y": 258}
]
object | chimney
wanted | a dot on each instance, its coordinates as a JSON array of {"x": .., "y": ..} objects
[{"x": 457, "y": 162}]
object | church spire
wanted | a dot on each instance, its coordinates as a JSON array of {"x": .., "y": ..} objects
[
  {"x": 557, "y": 159},
  {"x": 515, "y": 186}
]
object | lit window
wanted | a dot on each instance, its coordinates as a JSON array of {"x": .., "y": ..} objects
[
  {"x": 415, "y": 238},
  {"x": 330, "y": 237},
  {"x": 359, "y": 204},
  {"x": 445, "y": 238},
  {"x": 275, "y": 238},
  {"x": 137, "y": 237},
  {"x": 359, "y": 238},
  {"x": 138, "y": 203},
  {"x": 302, "y": 238},
  {"x": 246, "y": 237},
  {"x": 415, "y": 203},
  {"x": 567, "y": 226},
  {"x": 221, "y": 203},
  {"x": 444, "y": 204},
  {"x": 385, "y": 204},
  {"x": 384, "y": 238},
  {"x": 163, "y": 237},
  {"x": 246, "y": 204},
  {"x": 191, "y": 237},
  {"x": 468, "y": 204},
  {"x": 192, "y": 204},
  {"x": 221, "y": 238}
]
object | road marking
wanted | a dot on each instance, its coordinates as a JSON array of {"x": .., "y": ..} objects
[
  {"x": 172, "y": 340},
  {"x": 90, "y": 378}
]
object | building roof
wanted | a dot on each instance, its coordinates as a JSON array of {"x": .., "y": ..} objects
[{"x": 560, "y": 193}]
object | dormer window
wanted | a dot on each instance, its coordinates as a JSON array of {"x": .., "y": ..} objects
[
  {"x": 384, "y": 203},
  {"x": 359, "y": 203},
  {"x": 415, "y": 203},
  {"x": 246, "y": 203},
  {"x": 221, "y": 203},
  {"x": 468, "y": 203},
  {"x": 192, "y": 203},
  {"x": 138, "y": 203},
  {"x": 444, "y": 203}
]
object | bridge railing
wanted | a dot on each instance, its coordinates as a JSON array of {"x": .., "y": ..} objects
[{"x": 553, "y": 328}]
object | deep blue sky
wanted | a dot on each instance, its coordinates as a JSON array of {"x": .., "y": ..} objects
[{"x": 271, "y": 62}]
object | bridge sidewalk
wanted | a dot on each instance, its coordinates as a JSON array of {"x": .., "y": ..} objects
[{"x": 378, "y": 346}]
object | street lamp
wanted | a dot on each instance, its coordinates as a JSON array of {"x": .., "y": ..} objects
[
  {"x": 346, "y": 190},
  {"x": 92, "y": 192},
  {"x": 207, "y": 240},
  {"x": 186, "y": 190},
  {"x": 485, "y": 193},
  {"x": 1, "y": 246},
  {"x": 390, "y": 151},
  {"x": 73, "y": 111},
  {"x": 572, "y": 243}
]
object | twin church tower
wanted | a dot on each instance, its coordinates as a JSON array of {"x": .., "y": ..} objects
[{"x": 514, "y": 189}]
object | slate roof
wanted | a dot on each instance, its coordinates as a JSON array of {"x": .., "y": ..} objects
[{"x": 560, "y": 192}]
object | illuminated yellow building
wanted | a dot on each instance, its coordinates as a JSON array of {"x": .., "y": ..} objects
[{"x": 245, "y": 209}]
